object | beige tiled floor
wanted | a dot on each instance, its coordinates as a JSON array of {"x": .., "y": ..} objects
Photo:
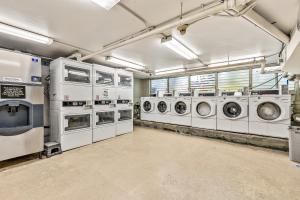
[{"x": 153, "y": 164}]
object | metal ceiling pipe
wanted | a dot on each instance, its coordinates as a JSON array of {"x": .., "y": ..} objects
[
  {"x": 204, "y": 12},
  {"x": 298, "y": 21}
]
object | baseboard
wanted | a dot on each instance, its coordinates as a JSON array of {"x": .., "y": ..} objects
[{"x": 241, "y": 138}]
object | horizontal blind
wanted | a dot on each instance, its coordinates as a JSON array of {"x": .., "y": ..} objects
[
  {"x": 204, "y": 82},
  {"x": 159, "y": 85},
  {"x": 269, "y": 80},
  {"x": 180, "y": 84},
  {"x": 233, "y": 81}
]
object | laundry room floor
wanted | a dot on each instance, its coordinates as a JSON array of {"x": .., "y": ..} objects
[{"x": 154, "y": 164}]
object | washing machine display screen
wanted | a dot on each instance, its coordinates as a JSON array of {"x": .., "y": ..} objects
[
  {"x": 232, "y": 109},
  {"x": 162, "y": 107},
  {"x": 180, "y": 107},
  {"x": 147, "y": 106},
  {"x": 203, "y": 109},
  {"x": 268, "y": 111}
]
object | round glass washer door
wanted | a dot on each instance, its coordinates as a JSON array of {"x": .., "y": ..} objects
[
  {"x": 147, "y": 106},
  {"x": 162, "y": 107},
  {"x": 268, "y": 111},
  {"x": 203, "y": 109},
  {"x": 180, "y": 107},
  {"x": 232, "y": 110}
]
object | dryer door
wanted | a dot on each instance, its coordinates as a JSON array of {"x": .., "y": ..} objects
[
  {"x": 77, "y": 75},
  {"x": 205, "y": 109},
  {"x": 269, "y": 111},
  {"x": 181, "y": 108},
  {"x": 104, "y": 78},
  {"x": 147, "y": 106},
  {"x": 232, "y": 110},
  {"x": 162, "y": 107},
  {"x": 76, "y": 122}
]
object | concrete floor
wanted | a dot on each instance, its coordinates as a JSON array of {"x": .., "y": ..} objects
[{"x": 153, "y": 164}]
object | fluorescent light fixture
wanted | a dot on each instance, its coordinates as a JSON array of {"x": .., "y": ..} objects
[
  {"x": 107, "y": 4},
  {"x": 236, "y": 62},
  {"x": 10, "y": 30},
  {"x": 170, "y": 70},
  {"x": 124, "y": 63},
  {"x": 179, "y": 48}
]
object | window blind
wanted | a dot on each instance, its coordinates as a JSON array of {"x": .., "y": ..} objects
[
  {"x": 258, "y": 79},
  {"x": 159, "y": 85},
  {"x": 204, "y": 82},
  {"x": 233, "y": 80},
  {"x": 180, "y": 84}
]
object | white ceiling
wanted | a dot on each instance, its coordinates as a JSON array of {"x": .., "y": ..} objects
[{"x": 88, "y": 27}]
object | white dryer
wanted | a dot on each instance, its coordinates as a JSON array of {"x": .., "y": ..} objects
[
  {"x": 104, "y": 98},
  {"x": 162, "y": 109},
  {"x": 232, "y": 114},
  {"x": 148, "y": 108},
  {"x": 71, "y": 123},
  {"x": 124, "y": 101},
  {"x": 181, "y": 111},
  {"x": 104, "y": 83},
  {"x": 70, "y": 80},
  {"x": 204, "y": 112},
  {"x": 104, "y": 123},
  {"x": 270, "y": 115}
]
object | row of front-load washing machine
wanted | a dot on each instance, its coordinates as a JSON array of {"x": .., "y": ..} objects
[
  {"x": 267, "y": 115},
  {"x": 88, "y": 103}
]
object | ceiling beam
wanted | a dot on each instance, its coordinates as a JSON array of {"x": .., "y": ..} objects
[{"x": 265, "y": 25}]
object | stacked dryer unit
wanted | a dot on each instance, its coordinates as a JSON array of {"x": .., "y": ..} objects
[
  {"x": 232, "y": 114},
  {"x": 71, "y": 103},
  {"x": 104, "y": 98},
  {"x": 270, "y": 115},
  {"x": 124, "y": 81},
  {"x": 204, "y": 111},
  {"x": 21, "y": 105}
]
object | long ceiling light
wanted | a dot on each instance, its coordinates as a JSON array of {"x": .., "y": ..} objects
[
  {"x": 170, "y": 70},
  {"x": 124, "y": 63},
  {"x": 179, "y": 48},
  {"x": 107, "y": 4},
  {"x": 10, "y": 30}
]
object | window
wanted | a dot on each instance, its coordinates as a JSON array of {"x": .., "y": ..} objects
[
  {"x": 263, "y": 81},
  {"x": 285, "y": 81},
  {"x": 159, "y": 85},
  {"x": 233, "y": 80},
  {"x": 204, "y": 82},
  {"x": 180, "y": 84}
]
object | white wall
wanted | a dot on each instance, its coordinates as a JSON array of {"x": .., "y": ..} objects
[{"x": 141, "y": 89}]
